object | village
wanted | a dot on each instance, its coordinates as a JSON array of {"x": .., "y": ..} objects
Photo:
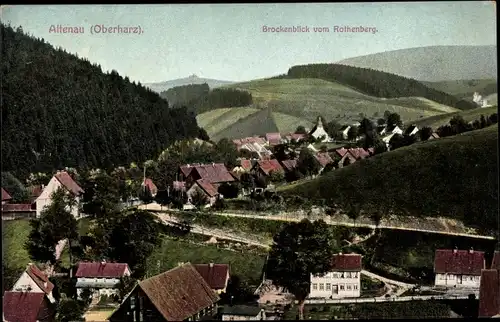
[{"x": 195, "y": 290}]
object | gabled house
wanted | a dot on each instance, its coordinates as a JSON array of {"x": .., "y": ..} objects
[
  {"x": 323, "y": 159},
  {"x": 460, "y": 268},
  {"x": 318, "y": 131},
  {"x": 242, "y": 313},
  {"x": 489, "y": 289},
  {"x": 27, "y": 307},
  {"x": 359, "y": 153},
  {"x": 6, "y": 197},
  {"x": 204, "y": 186},
  {"x": 411, "y": 130},
  {"x": 265, "y": 167},
  {"x": 216, "y": 275},
  {"x": 213, "y": 173},
  {"x": 180, "y": 294},
  {"x": 245, "y": 166},
  {"x": 252, "y": 139},
  {"x": 289, "y": 165},
  {"x": 100, "y": 277},
  {"x": 344, "y": 157},
  {"x": 345, "y": 131},
  {"x": 433, "y": 136},
  {"x": 33, "y": 280},
  {"x": 273, "y": 139},
  {"x": 387, "y": 139},
  {"x": 343, "y": 279},
  {"x": 256, "y": 147},
  {"x": 391, "y": 129},
  {"x": 63, "y": 180},
  {"x": 151, "y": 186}
]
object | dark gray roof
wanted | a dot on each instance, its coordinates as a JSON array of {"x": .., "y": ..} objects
[{"x": 245, "y": 310}]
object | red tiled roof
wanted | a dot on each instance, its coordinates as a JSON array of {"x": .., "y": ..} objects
[
  {"x": 298, "y": 137},
  {"x": 249, "y": 140},
  {"x": 346, "y": 262},
  {"x": 341, "y": 151},
  {"x": 495, "y": 263},
  {"x": 68, "y": 182},
  {"x": 214, "y": 173},
  {"x": 460, "y": 262},
  {"x": 186, "y": 169},
  {"x": 323, "y": 158},
  {"x": 206, "y": 186},
  {"x": 151, "y": 186},
  {"x": 269, "y": 165},
  {"x": 40, "y": 279},
  {"x": 5, "y": 195},
  {"x": 273, "y": 138},
  {"x": 179, "y": 293},
  {"x": 179, "y": 185},
  {"x": 246, "y": 164},
  {"x": 489, "y": 293},
  {"x": 289, "y": 165},
  {"x": 359, "y": 153},
  {"x": 22, "y": 306},
  {"x": 17, "y": 207},
  {"x": 98, "y": 269},
  {"x": 215, "y": 275}
]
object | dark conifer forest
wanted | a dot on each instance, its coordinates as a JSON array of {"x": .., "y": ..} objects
[
  {"x": 375, "y": 83},
  {"x": 59, "y": 110}
]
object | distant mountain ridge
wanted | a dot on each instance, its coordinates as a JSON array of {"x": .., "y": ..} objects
[
  {"x": 193, "y": 79},
  {"x": 433, "y": 63}
]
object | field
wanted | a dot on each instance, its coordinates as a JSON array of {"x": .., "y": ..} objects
[
  {"x": 436, "y": 121},
  {"x": 283, "y": 104},
  {"x": 465, "y": 88},
  {"x": 248, "y": 267},
  {"x": 453, "y": 177}
]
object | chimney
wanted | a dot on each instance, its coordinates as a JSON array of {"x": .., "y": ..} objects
[
  {"x": 471, "y": 250},
  {"x": 455, "y": 250},
  {"x": 45, "y": 284},
  {"x": 188, "y": 165},
  {"x": 213, "y": 164},
  {"x": 103, "y": 262},
  {"x": 211, "y": 264}
]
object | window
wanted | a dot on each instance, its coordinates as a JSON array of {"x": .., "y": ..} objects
[
  {"x": 335, "y": 275},
  {"x": 328, "y": 286},
  {"x": 349, "y": 286},
  {"x": 341, "y": 287},
  {"x": 355, "y": 275},
  {"x": 476, "y": 278},
  {"x": 348, "y": 275},
  {"x": 342, "y": 275},
  {"x": 321, "y": 286},
  {"x": 355, "y": 286},
  {"x": 315, "y": 286},
  {"x": 451, "y": 277},
  {"x": 132, "y": 303}
]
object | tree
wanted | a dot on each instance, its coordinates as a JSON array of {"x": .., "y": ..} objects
[
  {"x": 482, "y": 121},
  {"x": 125, "y": 286},
  {"x": 276, "y": 176},
  {"x": 366, "y": 126},
  {"x": 380, "y": 147},
  {"x": 293, "y": 175},
  {"x": 299, "y": 250},
  {"x": 381, "y": 121},
  {"x": 386, "y": 114},
  {"x": 219, "y": 204},
  {"x": 307, "y": 163},
  {"x": 55, "y": 223},
  {"x": 352, "y": 134},
  {"x": 261, "y": 181},
  {"x": 179, "y": 198},
  {"x": 101, "y": 198},
  {"x": 323, "y": 148},
  {"x": 396, "y": 141},
  {"x": 394, "y": 119},
  {"x": 425, "y": 133},
  {"x": 376, "y": 216},
  {"x": 300, "y": 130},
  {"x": 199, "y": 198},
  {"x": 353, "y": 212},
  {"x": 226, "y": 151},
  {"x": 280, "y": 152},
  {"x": 69, "y": 309},
  {"x": 133, "y": 239},
  {"x": 145, "y": 195},
  {"x": 228, "y": 190},
  {"x": 493, "y": 118},
  {"x": 328, "y": 168},
  {"x": 163, "y": 198},
  {"x": 332, "y": 128}
]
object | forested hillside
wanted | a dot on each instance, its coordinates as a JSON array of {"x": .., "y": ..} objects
[
  {"x": 376, "y": 83},
  {"x": 62, "y": 111},
  {"x": 184, "y": 94}
]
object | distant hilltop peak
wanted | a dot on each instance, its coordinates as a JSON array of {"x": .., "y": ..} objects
[{"x": 193, "y": 76}]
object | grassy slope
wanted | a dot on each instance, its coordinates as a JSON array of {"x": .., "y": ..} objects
[
  {"x": 443, "y": 119},
  {"x": 297, "y": 102},
  {"x": 247, "y": 266},
  {"x": 464, "y": 88},
  {"x": 451, "y": 177}
]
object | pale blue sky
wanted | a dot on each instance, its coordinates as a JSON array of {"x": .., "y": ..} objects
[{"x": 226, "y": 42}]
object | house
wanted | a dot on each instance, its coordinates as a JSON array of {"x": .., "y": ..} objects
[
  {"x": 213, "y": 173},
  {"x": 318, "y": 131},
  {"x": 242, "y": 313},
  {"x": 359, "y": 153},
  {"x": 323, "y": 159},
  {"x": 344, "y": 157},
  {"x": 387, "y": 139},
  {"x": 180, "y": 294},
  {"x": 245, "y": 166},
  {"x": 27, "y": 307},
  {"x": 204, "y": 186},
  {"x": 411, "y": 130},
  {"x": 392, "y": 129},
  {"x": 6, "y": 197},
  {"x": 343, "y": 280},
  {"x": 33, "y": 280},
  {"x": 151, "y": 186},
  {"x": 11, "y": 211},
  {"x": 460, "y": 268},
  {"x": 63, "y": 180},
  {"x": 253, "y": 139},
  {"x": 265, "y": 167},
  {"x": 216, "y": 275},
  {"x": 256, "y": 147},
  {"x": 100, "y": 277},
  {"x": 289, "y": 165},
  {"x": 489, "y": 289},
  {"x": 273, "y": 139},
  {"x": 311, "y": 148},
  {"x": 434, "y": 135},
  {"x": 345, "y": 131}
]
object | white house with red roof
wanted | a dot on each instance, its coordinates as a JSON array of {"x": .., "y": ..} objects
[
  {"x": 343, "y": 280},
  {"x": 458, "y": 268},
  {"x": 205, "y": 187},
  {"x": 319, "y": 132},
  {"x": 147, "y": 182},
  {"x": 101, "y": 277},
  {"x": 63, "y": 180},
  {"x": 33, "y": 280}
]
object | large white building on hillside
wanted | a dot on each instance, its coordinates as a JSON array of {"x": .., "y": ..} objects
[{"x": 60, "y": 180}]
